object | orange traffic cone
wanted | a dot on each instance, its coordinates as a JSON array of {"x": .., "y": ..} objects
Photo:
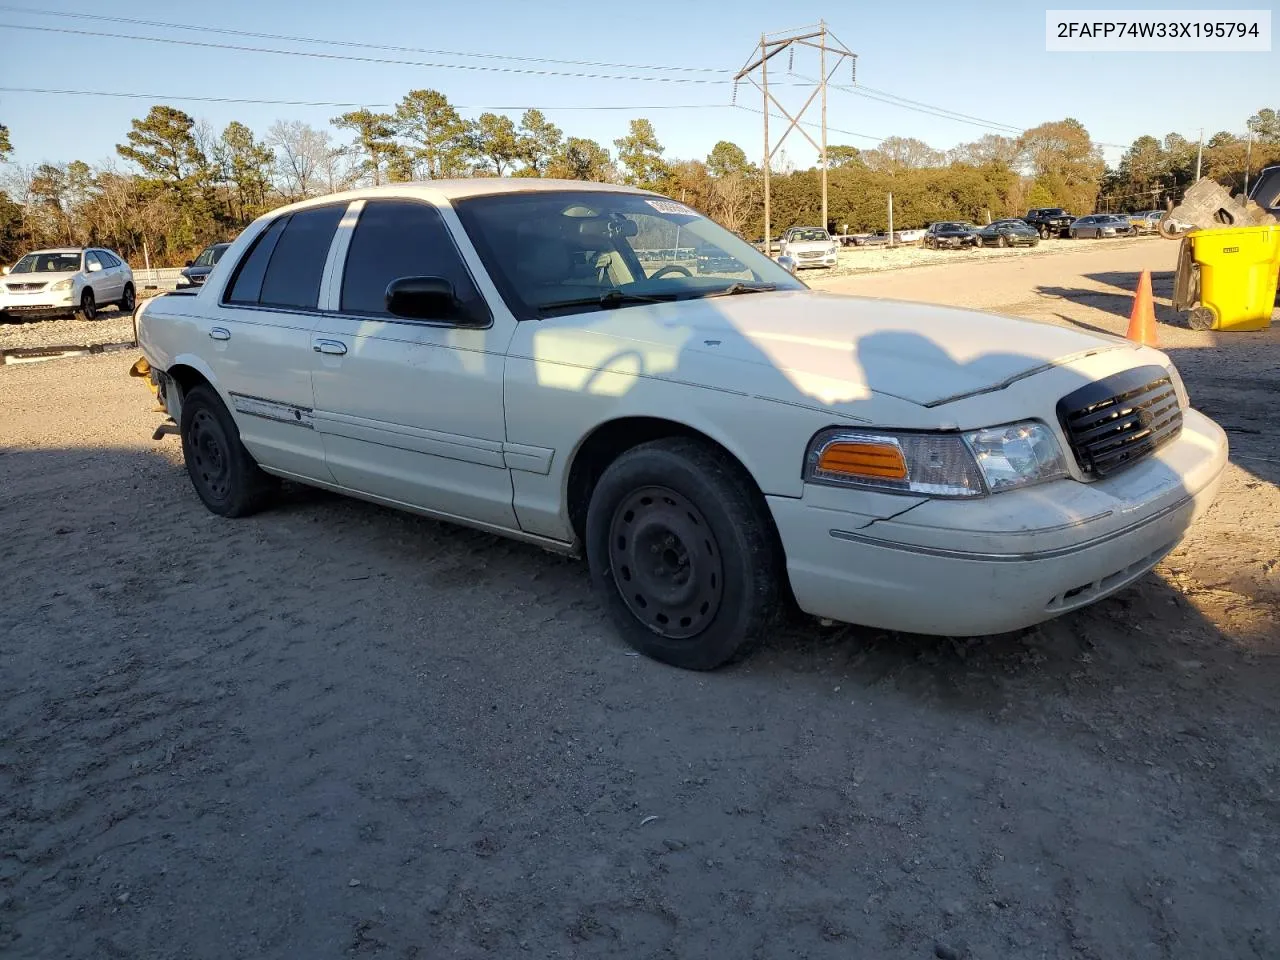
[{"x": 1142, "y": 321}]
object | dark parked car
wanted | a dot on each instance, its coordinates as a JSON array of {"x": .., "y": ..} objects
[
  {"x": 951, "y": 235},
  {"x": 195, "y": 272},
  {"x": 1049, "y": 221},
  {"x": 1008, "y": 233}
]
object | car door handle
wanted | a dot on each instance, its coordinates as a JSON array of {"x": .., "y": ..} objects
[
  {"x": 219, "y": 333},
  {"x": 333, "y": 347}
]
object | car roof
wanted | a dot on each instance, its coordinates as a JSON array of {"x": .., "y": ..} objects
[
  {"x": 60, "y": 250},
  {"x": 436, "y": 191}
]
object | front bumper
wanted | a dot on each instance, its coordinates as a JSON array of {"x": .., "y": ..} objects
[
  {"x": 970, "y": 568},
  {"x": 43, "y": 303},
  {"x": 826, "y": 260}
]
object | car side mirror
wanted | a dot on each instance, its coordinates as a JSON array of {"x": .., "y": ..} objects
[
  {"x": 4, "y": 271},
  {"x": 94, "y": 267},
  {"x": 787, "y": 263},
  {"x": 425, "y": 298}
]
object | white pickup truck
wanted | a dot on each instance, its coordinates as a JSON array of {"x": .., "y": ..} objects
[{"x": 492, "y": 352}]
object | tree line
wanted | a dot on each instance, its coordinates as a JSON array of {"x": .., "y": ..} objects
[{"x": 180, "y": 184}]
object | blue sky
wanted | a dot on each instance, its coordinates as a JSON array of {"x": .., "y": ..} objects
[{"x": 985, "y": 59}]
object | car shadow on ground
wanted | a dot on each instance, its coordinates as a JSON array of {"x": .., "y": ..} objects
[{"x": 1118, "y": 301}]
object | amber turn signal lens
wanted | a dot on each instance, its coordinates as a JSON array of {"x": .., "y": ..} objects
[{"x": 880, "y": 461}]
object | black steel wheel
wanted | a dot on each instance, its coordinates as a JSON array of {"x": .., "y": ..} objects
[
  {"x": 88, "y": 309},
  {"x": 129, "y": 300},
  {"x": 683, "y": 553},
  {"x": 666, "y": 562},
  {"x": 224, "y": 474}
]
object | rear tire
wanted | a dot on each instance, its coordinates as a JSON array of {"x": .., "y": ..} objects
[
  {"x": 129, "y": 300},
  {"x": 225, "y": 476},
  {"x": 683, "y": 554}
]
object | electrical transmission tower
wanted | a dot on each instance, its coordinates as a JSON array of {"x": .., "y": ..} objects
[{"x": 827, "y": 45}]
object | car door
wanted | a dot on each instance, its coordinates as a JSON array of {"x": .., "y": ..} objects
[
  {"x": 410, "y": 410},
  {"x": 120, "y": 273},
  {"x": 96, "y": 277},
  {"x": 259, "y": 327},
  {"x": 112, "y": 276}
]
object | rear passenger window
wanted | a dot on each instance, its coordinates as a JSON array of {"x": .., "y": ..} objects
[
  {"x": 247, "y": 285},
  {"x": 293, "y": 275},
  {"x": 401, "y": 238},
  {"x": 284, "y": 266}
]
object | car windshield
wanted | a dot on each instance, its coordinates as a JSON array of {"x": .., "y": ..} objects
[
  {"x": 573, "y": 251},
  {"x": 949, "y": 226},
  {"x": 48, "y": 263},
  {"x": 811, "y": 234},
  {"x": 210, "y": 255}
]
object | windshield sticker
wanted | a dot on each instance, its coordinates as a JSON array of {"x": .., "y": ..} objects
[{"x": 670, "y": 206}]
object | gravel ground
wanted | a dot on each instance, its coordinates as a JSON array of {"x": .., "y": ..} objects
[
  {"x": 111, "y": 326},
  {"x": 334, "y": 730}
]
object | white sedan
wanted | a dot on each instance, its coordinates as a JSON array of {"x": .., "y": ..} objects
[
  {"x": 47, "y": 283},
  {"x": 493, "y": 352},
  {"x": 809, "y": 247}
]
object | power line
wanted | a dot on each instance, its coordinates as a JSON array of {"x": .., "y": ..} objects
[
  {"x": 202, "y": 28},
  {"x": 319, "y": 55},
  {"x": 330, "y": 103},
  {"x": 895, "y": 101}
]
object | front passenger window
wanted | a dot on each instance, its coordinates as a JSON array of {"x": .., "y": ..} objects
[{"x": 401, "y": 238}]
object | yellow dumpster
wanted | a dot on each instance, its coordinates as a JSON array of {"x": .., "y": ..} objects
[{"x": 1237, "y": 282}]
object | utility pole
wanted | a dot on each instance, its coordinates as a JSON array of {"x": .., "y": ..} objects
[
  {"x": 764, "y": 88},
  {"x": 822, "y": 72},
  {"x": 1199, "y": 154},
  {"x": 1248, "y": 156},
  {"x": 770, "y": 46},
  {"x": 891, "y": 219}
]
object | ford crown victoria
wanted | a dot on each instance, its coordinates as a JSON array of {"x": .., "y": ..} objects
[{"x": 719, "y": 445}]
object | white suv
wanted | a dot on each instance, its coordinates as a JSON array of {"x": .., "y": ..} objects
[{"x": 47, "y": 283}]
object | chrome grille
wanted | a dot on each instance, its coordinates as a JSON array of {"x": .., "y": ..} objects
[
  {"x": 25, "y": 287},
  {"x": 1117, "y": 421}
]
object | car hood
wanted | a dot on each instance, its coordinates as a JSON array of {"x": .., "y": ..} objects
[{"x": 819, "y": 349}]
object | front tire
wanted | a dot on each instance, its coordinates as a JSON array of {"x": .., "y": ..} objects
[
  {"x": 224, "y": 475},
  {"x": 683, "y": 554},
  {"x": 1003, "y": 241},
  {"x": 88, "y": 308}
]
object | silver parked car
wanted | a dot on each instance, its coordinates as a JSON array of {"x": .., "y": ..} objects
[{"x": 1099, "y": 225}]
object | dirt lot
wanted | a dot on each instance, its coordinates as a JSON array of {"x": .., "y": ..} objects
[{"x": 333, "y": 730}]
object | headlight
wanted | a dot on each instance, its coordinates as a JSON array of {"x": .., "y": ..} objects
[
  {"x": 1017, "y": 455},
  {"x": 970, "y": 464},
  {"x": 62, "y": 284}
]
